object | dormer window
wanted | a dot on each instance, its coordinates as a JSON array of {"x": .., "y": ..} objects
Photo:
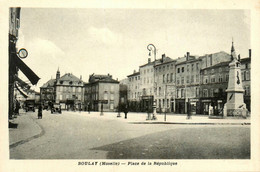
[
  {"x": 61, "y": 82},
  {"x": 70, "y": 82}
]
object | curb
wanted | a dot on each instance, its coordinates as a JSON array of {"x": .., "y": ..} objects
[
  {"x": 186, "y": 123},
  {"x": 30, "y": 138}
]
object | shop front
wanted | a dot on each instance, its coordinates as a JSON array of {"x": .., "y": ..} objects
[
  {"x": 216, "y": 103},
  {"x": 180, "y": 106},
  {"x": 193, "y": 102}
]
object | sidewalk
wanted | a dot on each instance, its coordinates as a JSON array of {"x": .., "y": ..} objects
[
  {"x": 27, "y": 129},
  {"x": 133, "y": 117}
]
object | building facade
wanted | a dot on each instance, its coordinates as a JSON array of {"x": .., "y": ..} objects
[
  {"x": 102, "y": 93},
  {"x": 67, "y": 90},
  {"x": 165, "y": 84}
]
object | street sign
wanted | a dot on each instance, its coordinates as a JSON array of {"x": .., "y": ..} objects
[
  {"x": 103, "y": 101},
  {"x": 193, "y": 100}
]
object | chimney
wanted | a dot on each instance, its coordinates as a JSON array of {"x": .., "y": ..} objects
[
  {"x": 250, "y": 53},
  {"x": 149, "y": 60},
  {"x": 163, "y": 57},
  {"x": 188, "y": 56},
  {"x": 238, "y": 57},
  {"x": 134, "y": 71}
]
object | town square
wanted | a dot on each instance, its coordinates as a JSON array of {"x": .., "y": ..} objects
[{"x": 110, "y": 84}]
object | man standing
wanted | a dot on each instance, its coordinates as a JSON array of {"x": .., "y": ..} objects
[
  {"x": 126, "y": 111},
  {"x": 40, "y": 112}
]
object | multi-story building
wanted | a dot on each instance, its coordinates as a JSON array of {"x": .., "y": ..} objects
[
  {"x": 188, "y": 79},
  {"x": 102, "y": 93},
  {"x": 146, "y": 76},
  {"x": 15, "y": 63},
  {"x": 214, "y": 82},
  {"x": 134, "y": 87},
  {"x": 246, "y": 79},
  {"x": 67, "y": 90},
  {"x": 165, "y": 84},
  {"x": 134, "y": 91},
  {"x": 47, "y": 92}
]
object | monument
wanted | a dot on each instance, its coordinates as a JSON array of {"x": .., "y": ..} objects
[{"x": 235, "y": 106}]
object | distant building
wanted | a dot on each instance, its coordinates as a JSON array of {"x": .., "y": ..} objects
[
  {"x": 47, "y": 91},
  {"x": 68, "y": 90},
  {"x": 188, "y": 79},
  {"x": 165, "y": 84},
  {"x": 246, "y": 79},
  {"x": 214, "y": 82},
  {"x": 134, "y": 91},
  {"x": 102, "y": 91}
]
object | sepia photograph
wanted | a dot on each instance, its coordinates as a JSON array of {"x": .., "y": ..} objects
[{"x": 129, "y": 86}]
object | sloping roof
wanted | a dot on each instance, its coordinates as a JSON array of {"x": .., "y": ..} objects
[
  {"x": 102, "y": 78},
  {"x": 217, "y": 65},
  {"x": 247, "y": 59},
  {"x": 108, "y": 80},
  {"x": 134, "y": 74},
  {"x": 69, "y": 77},
  {"x": 49, "y": 83},
  {"x": 151, "y": 63}
]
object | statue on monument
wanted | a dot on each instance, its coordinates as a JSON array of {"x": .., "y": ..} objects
[{"x": 235, "y": 106}]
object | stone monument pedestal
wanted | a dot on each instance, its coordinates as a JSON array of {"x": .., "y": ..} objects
[{"x": 235, "y": 106}]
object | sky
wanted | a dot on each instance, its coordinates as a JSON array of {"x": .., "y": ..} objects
[{"x": 114, "y": 41}]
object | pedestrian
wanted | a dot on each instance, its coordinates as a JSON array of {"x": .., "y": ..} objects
[
  {"x": 210, "y": 110},
  {"x": 89, "y": 108},
  {"x": 17, "y": 107},
  {"x": 40, "y": 112},
  {"x": 126, "y": 111},
  {"x": 188, "y": 111}
]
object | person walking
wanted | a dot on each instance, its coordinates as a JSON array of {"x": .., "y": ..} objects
[
  {"x": 40, "y": 112},
  {"x": 126, "y": 111},
  {"x": 89, "y": 108},
  {"x": 188, "y": 111},
  {"x": 17, "y": 107}
]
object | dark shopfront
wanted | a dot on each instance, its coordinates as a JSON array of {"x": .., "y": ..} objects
[
  {"x": 180, "y": 106},
  {"x": 216, "y": 103},
  {"x": 147, "y": 104}
]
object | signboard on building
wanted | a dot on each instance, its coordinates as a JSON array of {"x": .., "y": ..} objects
[{"x": 101, "y": 101}]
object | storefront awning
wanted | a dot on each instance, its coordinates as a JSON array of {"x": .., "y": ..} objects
[
  {"x": 26, "y": 70},
  {"x": 20, "y": 90}
]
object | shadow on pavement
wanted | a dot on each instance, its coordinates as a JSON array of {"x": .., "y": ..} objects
[{"x": 185, "y": 143}]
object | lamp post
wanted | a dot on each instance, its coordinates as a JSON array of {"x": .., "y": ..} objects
[{"x": 151, "y": 48}]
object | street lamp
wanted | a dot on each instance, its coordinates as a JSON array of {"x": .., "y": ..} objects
[{"x": 151, "y": 48}]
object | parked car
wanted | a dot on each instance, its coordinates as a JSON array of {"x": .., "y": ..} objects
[
  {"x": 29, "y": 105},
  {"x": 56, "y": 108}
]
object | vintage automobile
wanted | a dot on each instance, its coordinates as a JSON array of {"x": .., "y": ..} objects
[
  {"x": 56, "y": 108},
  {"x": 29, "y": 105}
]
